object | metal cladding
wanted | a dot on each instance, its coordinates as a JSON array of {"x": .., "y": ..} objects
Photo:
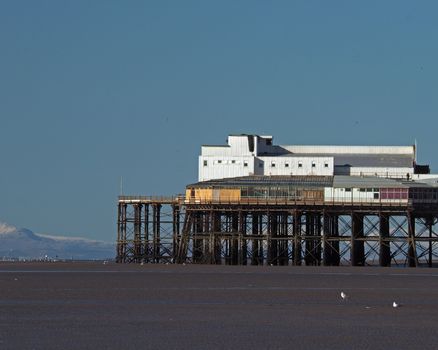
[
  {"x": 247, "y": 155},
  {"x": 290, "y": 219}
]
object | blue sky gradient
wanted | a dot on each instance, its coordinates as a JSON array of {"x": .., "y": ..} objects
[{"x": 94, "y": 90}]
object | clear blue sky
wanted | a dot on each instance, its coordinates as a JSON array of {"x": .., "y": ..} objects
[{"x": 92, "y": 90}]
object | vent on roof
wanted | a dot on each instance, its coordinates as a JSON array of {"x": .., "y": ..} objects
[
  {"x": 251, "y": 143},
  {"x": 421, "y": 169}
]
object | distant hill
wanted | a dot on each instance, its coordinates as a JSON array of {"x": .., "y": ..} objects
[{"x": 25, "y": 244}]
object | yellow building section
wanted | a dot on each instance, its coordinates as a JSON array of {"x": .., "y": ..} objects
[
  {"x": 228, "y": 195},
  {"x": 209, "y": 195}
]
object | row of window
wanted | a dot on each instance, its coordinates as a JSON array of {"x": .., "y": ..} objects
[
  {"x": 300, "y": 165},
  {"x": 233, "y": 161},
  {"x": 245, "y": 163}
]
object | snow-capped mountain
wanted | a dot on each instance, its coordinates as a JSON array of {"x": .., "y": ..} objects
[{"x": 25, "y": 244}]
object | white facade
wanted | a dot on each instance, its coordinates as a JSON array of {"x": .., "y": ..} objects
[{"x": 256, "y": 155}]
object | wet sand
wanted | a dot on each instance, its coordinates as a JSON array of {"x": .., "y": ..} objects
[{"x": 96, "y": 306}]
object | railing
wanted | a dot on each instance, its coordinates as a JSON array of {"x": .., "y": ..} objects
[
  {"x": 152, "y": 199},
  {"x": 300, "y": 201},
  {"x": 337, "y": 201}
]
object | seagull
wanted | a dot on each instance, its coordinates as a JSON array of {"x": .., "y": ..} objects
[
  {"x": 394, "y": 304},
  {"x": 344, "y": 296}
]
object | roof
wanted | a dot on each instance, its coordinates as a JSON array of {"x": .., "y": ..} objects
[
  {"x": 341, "y": 181},
  {"x": 374, "y": 160},
  {"x": 337, "y": 181},
  {"x": 278, "y": 180},
  {"x": 360, "y": 160}
]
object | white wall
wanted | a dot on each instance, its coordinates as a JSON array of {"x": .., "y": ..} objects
[
  {"x": 238, "y": 150},
  {"x": 399, "y": 173},
  {"x": 224, "y": 167},
  {"x": 353, "y": 194},
  {"x": 294, "y": 167}
]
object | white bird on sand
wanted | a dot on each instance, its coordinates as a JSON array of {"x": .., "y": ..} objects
[
  {"x": 394, "y": 304},
  {"x": 344, "y": 296}
]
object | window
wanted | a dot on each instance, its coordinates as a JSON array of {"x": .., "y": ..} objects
[
  {"x": 245, "y": 163},
  {"x": 300, "y": 165},
  {"x": 205, "y": 163}
]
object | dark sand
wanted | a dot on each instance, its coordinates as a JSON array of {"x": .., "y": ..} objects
[{"x": 97, "y": 306}]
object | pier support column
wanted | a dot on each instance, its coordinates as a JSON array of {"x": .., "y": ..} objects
[
  {"x": 235, "y": 239},
  {"x": 429, "y": 224},
  {"x": 197, "y": 238},
  {"x": 385, "y": 249},
  {"x": 272, "y": 239},
  {"x": 331, "y": 243},
  {"x": 297, "y": 239},
  {"x": 138, "y": 253},
  {"x": 357, "y": 243},
  {"x": 255, "y": 240},
  {"x": 176, "y": 230},
  {"x": 156, "y": 209},
  {"x": 242, "y": 246},
  {"x": 283, "y": 250},
  {"x": 412, "y": 252}
]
